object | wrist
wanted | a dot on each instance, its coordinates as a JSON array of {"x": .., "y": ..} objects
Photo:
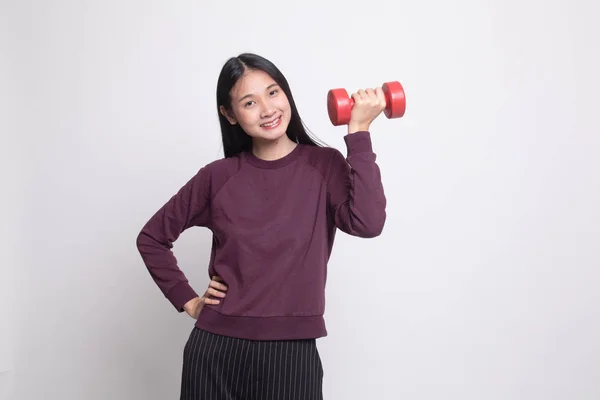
[
  {"x": 357, "y": 127},
  {"x": 191, "y": 304}
]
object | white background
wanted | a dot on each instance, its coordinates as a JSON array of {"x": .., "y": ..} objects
[{"x": 485, "y": 282}]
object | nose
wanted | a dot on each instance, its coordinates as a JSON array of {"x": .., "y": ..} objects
[{"x": 267, "y": 110}]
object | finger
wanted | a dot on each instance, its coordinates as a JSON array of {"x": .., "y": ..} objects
[
  {"x": 356, "y": 96},
  {"x": 217, "y": 278},
  {"x": 380, "y": 96},
  {"x": 217, "y": 285},
  {"x": 214, "y": 292},
  {"x": 360, "y": 95},
  {"x": 372, "y": 97},
  {"x": 211, "y": 301}
]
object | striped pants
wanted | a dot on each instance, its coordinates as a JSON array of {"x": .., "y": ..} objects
[{"x": 218, "y": 367}]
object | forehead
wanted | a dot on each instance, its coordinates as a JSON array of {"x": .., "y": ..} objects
[{"x": 253, "y": 81}]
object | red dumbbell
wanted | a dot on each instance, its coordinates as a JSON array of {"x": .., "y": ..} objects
[{"x": 339, "y": 104}]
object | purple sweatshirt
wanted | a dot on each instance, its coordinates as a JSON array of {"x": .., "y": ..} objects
[{"x": 273, "y": 225}]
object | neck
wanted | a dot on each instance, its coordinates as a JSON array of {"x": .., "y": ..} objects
[{"x": 273, "y": 149}]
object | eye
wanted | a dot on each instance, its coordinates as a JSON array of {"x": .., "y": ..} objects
[
  {"x": 249, "y": 103},
  {"x": 274, "y": 91}
]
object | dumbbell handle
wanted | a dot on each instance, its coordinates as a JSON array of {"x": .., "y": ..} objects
[{"x": 387, "y": 100}]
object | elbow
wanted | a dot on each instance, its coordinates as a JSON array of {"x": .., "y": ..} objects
[
  {"x": 148, "y": 241},
  {"x": 142, "y": 241},
  {"x": 374, "y": 220},
  {"x": 374, "y": 231},
  {"x": 374, "y": 227}
]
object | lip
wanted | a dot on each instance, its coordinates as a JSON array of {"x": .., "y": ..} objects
[{"x": 278, "y": 119}]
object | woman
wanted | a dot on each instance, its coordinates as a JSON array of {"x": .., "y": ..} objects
[{"x": 273, "y": 204}]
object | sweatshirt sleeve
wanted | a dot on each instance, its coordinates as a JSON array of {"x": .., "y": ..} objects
[
  {"x": 355, "y": 190},
  {"x": 190, "y": 206}
]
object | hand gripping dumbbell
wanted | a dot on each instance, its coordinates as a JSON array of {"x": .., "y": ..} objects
[{"x": 339, "y": 104}]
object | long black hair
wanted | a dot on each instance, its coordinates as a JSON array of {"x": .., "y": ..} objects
[{"x": 235, "y": 140}]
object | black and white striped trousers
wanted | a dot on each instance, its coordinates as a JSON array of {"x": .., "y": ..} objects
[{"x": 219, "y": 367}]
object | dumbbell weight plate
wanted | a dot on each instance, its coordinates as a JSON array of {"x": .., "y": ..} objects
[
  {"x": 339, "y": 106},
  {"x": 395, "y": 98}
]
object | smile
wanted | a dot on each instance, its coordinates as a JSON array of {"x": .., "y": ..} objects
[{"x": 273, "y": 124}]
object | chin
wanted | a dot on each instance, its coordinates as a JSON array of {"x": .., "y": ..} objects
[{"x": 272, "y": 136}]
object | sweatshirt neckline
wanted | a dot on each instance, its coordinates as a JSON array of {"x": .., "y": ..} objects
[{"x": 277, "y": 163}]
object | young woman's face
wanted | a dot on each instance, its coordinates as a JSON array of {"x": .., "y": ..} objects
[{"x": 259, "y": 105}]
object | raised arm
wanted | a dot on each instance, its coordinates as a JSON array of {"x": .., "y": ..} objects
[{"x": 355, "y": 190}]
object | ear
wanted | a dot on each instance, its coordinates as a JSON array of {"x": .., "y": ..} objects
[{"x": 228, "y": 115}]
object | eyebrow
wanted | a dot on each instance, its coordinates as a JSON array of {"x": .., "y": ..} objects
[{"x": 250, "y": 94}]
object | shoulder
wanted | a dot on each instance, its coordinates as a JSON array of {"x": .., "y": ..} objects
[
  {"x": 223, "y": 165},
  {"x": 320, "y": 155},
  {"x": 323, "y": 159},
  {"x": 216, "y": 173}
]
